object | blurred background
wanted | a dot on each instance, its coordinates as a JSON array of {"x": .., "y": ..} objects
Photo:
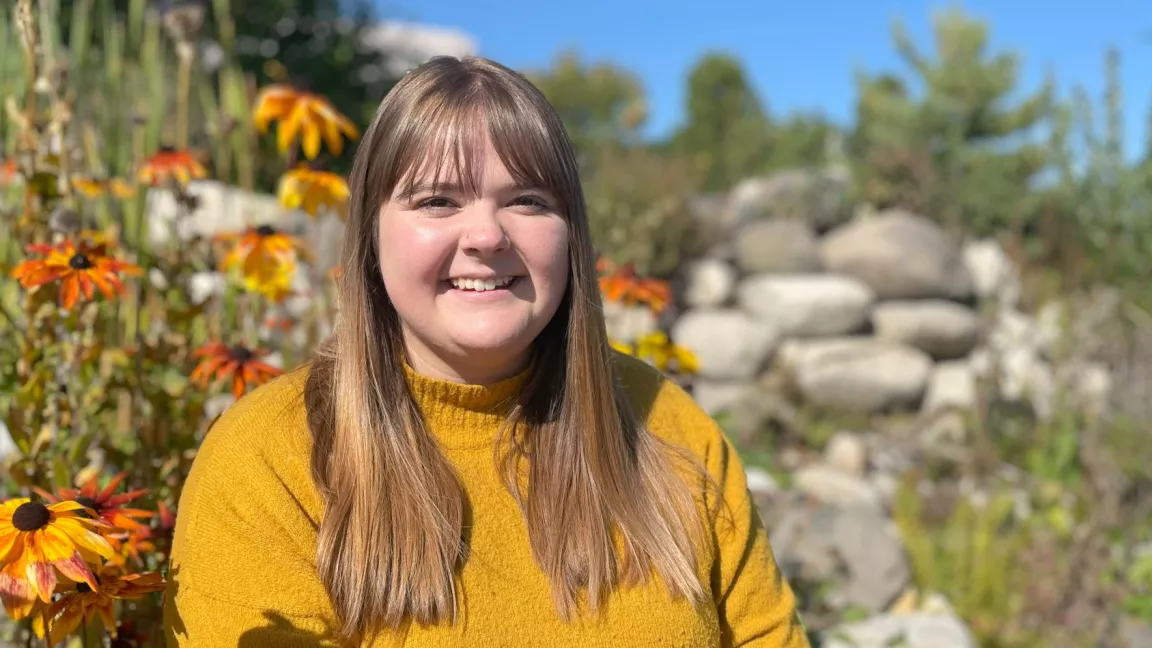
[{"x": 901, "y": 251}]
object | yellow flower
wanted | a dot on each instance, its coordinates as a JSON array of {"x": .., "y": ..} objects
[
  {"x": 312, "y": 190},
  {"x": 266, "y": 257},
  {"x": 82, "y": 603},
  {"x": 94, "y": 188},
  {"x": 35, "y": 541},
  {"x": 664, "y": 355},
  {"x": 310, "y": 115},
  {"x": 622, "y": 347}
]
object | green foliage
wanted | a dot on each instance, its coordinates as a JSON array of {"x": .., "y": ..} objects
[
  {"x": 953, "y": 151},
  {"x": 600, "y": 104},
  {"x": 637, "y": 203}
]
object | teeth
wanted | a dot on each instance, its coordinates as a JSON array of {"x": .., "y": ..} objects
[{"x": 480, "y": 285}]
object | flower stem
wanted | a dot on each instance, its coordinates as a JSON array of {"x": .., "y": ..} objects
[{"x": 182, "y": 100}]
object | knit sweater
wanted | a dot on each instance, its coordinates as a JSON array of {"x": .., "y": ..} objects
[{"x": 243, "y": 565}]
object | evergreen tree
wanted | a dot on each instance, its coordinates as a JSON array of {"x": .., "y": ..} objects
[{"x": 956, "y": 150}]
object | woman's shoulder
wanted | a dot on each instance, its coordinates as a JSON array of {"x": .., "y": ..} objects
[
  {"x": 668, "y": 410},
  {"x": 269, "y": 424}
]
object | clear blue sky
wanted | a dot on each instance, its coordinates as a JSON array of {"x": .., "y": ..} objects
[{"x": 800, "y": 55}]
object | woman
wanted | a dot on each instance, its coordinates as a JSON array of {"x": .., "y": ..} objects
[{"x": 466, "y": 461}]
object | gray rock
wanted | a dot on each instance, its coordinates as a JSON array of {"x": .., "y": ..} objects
[
  {"x": 729, "y": 344},
  {"x": 900, "y": 255},
  {"x": 943, "y": 329},
  {"x": 814, "y": 305},
  {"x": 847, "y": 452},
  {"x": 832, "y": 486},
  {"x": 858, "y": 373},
  {"x": 952, "y": 386},
  {"x": 819, "y": 199},
  {"x": 993, "y": 275},
  {"x": 904, "y": 631},
  {"x": 708, "y": 283},
  {"x": 780, "y": 246},
  {"x": 628, "y": 322}
]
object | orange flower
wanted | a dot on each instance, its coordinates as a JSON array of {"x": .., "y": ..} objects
[
  {"x": 623, "y": 285},
  {"x": 79, "y": 271},
  {"x": 239, "y": 362},
  {"x": 94, "y": 188},
  {"x": 310, "y": 190},
  {"x": 107, "y": 506},
  {"x": 83, "y": 603},
  {"x": 35, "y": 541},
  {"x": 169, "y": 163},
  {"x": 266, "y": 257},
  {"x": 309, "y": 114},
  {"x": 8, "y": 172}
]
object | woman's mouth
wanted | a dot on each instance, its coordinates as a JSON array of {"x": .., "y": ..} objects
[{"x": 482, "y": 285}]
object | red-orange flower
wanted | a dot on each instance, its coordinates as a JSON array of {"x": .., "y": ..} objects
[
  {"x": 625, "y": 286},
  {"x": 241, "y": 363},
  {"x": 109, "y": 507},
  {"x": 310, "y": 115},
  {"x": 83, "y": 603},
  {"x": 80, "y": 271},
  {"x": 170, "y": 163}
]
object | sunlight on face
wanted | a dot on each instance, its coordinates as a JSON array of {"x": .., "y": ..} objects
[{"x": 475, "y": 278}]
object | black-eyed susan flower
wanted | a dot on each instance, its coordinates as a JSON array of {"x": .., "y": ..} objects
[
  {"x": 109, "y": 507},
  {"x": 308, "y": 115},
  {"x": 625, "y": 286},
  {"x": 243, "y": 365},
  {"x": 313, "y": 190},
  {"x": 81, "y": 603},
  {"x": 36, "y": 540},
  {"x": 80, "y": 271},
  {"x": 169, "y": 163},
  {"x": 266, "y": 258}
]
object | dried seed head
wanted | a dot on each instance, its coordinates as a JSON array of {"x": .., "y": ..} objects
[
  {"x": 31, "y": 516},
  {"x": 184, "y": 22}
]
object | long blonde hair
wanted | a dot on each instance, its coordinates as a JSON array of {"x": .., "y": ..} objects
[{"x": 391, "y": 537}]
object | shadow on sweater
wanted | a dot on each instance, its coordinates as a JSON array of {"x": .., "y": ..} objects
[{"x": 279, "y": 631}]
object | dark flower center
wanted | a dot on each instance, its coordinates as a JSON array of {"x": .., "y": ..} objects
[
  {"x": 79, "y": 261},
  {"x": 89, "y": 502},
  {"x": 83, "y": 588},
  {"x": 240, "y": 353},
  {"x": 265, "y": 230},
  {"x": 31, "y": 516}
]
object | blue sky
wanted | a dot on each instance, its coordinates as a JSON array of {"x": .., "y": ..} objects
[{"x": 799, "y": 55}]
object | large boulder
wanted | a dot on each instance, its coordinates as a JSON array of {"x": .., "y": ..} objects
[
  {"x": 813, "y": 305},
  {"x": 777, "y": 245},
  {"x": 900, "y": 255},
  {"x": 917, "y": 630},
  {"x": 858, "y": 373},
  {"x": 708, "y": 283},
  {"x": 943, "y": 329},
  {"x": 818, "y": 198},
  {"x": 728, "y": 343}
]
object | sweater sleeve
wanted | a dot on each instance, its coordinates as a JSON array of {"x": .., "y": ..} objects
[
  {"x": 242, "y": 570},
  {"x": 756, "y": 605}
]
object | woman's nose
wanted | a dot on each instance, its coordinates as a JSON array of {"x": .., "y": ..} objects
[{"x": 483, "y": 232}]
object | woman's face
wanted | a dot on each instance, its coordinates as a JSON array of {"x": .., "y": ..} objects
[{"x": 474, "y": 278}]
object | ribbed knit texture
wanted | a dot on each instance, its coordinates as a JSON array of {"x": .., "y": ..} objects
[{"x": 243, "y": 567}]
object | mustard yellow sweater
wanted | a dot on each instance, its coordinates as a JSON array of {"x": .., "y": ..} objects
[{"x": 243, "y": 570}]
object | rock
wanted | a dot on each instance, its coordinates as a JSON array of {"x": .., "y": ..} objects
[
  {"x": 854, "y": 552},
  {"x": 993, "y": 274},
  {"x": 760, "y": 482},
  {"x": 948, "y": 429},
  {"x": 628, "y": 322},
  {"x": 847, "y": 453},
  {"x": 858, "y": 373},
  {"x": 748, "y": 410},
  {"x": 952, "y": 385},
  {"x": 202, "y": 286},
  {"x": 900, "y": 255},
  {"x": 830, "y": 485},
  {"x": 7, "y": 444},
  {"x": 819, "y": 199},
  {"x": 807, "y": 305},
  {"x": 943, "y": 329},
  {"x": 781, "y": 246},
  {"x": 905, "y": 630},
  {"x": 708, "y": 283},
  {"x": 715, "y": 397},
  {"x": 221, "y": 208},
  {"x": 728, "y": 343}
]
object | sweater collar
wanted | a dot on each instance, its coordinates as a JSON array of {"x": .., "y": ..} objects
[{"x": 464, "y": 415}]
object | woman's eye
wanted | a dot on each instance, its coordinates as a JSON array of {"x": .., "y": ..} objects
[
  {"x": 435, "y": 203},
  {"x": 531, "y": 202}
]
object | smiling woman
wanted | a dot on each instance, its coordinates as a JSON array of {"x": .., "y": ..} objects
[{"x": 467, "y": 461}]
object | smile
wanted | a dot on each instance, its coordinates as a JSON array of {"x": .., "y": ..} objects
[{"x": 482, "y": 285}]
